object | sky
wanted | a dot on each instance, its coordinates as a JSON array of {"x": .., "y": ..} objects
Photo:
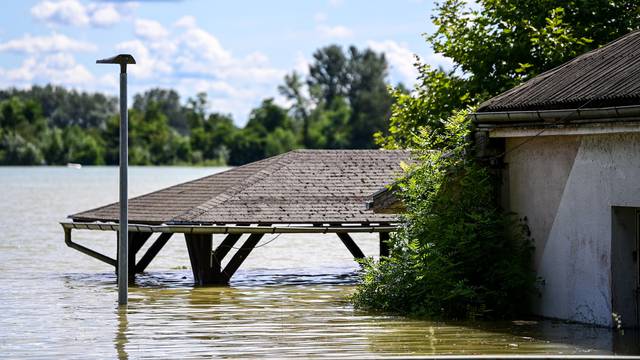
[{"x": 236, "y": 51}]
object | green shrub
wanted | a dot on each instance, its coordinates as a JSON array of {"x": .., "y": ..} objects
[{"x": 457, "y": 254}]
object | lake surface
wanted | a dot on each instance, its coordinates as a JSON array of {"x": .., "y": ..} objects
[{"x": 287, "y": 300}]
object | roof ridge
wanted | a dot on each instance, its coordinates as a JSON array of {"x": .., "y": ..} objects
[{"x": 224, "y": 196}]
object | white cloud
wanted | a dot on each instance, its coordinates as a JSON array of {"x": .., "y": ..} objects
[
  {"x": 53, "y": 43},
  {"x": 186, "y": 21},
  {"x": 336, "y": 3},
  {"x": 439, "y": 60},
  {"x": 148, "y": 65},
  {"x": 76, "y": 13},
  {"x": 68, "y": 12},
  {"x": 59, "y": 68},
  {"x": 190, "y": 59},
  {"x": 337, "y": 31},
  {"x": 105, "y": 16},
  {"x": 400, "y": 58},
  {"x": 183, "y": 56},
  {"x": 149, "y": 29},
  {"x": 301, "y": 64}
]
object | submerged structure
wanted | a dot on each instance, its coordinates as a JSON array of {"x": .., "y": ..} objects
[
  {"x": 302, "y": 191},
  {"x": 567, "y": 143}
]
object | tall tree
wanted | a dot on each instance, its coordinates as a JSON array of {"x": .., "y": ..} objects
[
  {"x": 368, "y": 96},
  {"x": 328, "y": 74},
  {"x": 339, "y": 83},
  {"x": 293, "y": 90},
  {"x": 497, "y": 44},
  {"x": 168, "y": 102}
]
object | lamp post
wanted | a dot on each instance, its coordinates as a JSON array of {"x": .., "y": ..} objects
[{"x": 123, "y": 237}]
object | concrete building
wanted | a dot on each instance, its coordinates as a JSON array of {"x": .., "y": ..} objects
[{"x": 568, "y": 145}]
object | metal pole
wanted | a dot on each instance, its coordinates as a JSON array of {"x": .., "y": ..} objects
[
  {"x": 123, "y": 234},
  {"x": 123, "y": 254}
]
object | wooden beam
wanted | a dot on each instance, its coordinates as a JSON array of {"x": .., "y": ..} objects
[
  {"x": 199, "y": 247},
  {"x": 153, "y": 250},
  {"x": 351, "y": 245},
  {"x": 223, "y": 249},
  {"x": 241, "y": 255},
  {"x": 384, "y": 244},
  {"x": 136, "y": 242}
]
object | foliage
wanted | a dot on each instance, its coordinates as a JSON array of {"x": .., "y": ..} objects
[
  {"x": 349, "y": 83},
  {"x": 62, "y": 107},
  {"x": 457, "y": 255},
  {"x": 495, "y": 45}
]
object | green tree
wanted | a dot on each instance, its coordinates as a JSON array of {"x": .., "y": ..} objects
[
  {"x": 268, "y": 132},
  {"x": 497, "y": 44},
  {"x": 330, "y": 126},
  {"x": 293, "y": 90},
  {"x": 457, "y": 255},
  {"x": 62, "y": 107},
  {"x": 82, "y": 146},
  {"x": 357, "y": 79},
  {"x": 168, "y": 103},
  {"x": 368, "y": 96},
  {"x": 328, "y": 74},
  {"x": 213, "y": 137}
]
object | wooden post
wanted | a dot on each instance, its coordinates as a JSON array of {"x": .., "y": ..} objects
[
  {"x": 384, "y": 244},
  {"x": 136, "y": 241},
  {"x": 351, "y": 245},
  {"x": 206, "y": 265},
  {"x": 199, "y": 247}
]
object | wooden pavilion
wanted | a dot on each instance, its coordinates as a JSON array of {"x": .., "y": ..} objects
[{"x": 302, "y": 191}]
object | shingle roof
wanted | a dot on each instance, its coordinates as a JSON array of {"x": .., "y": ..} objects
[
  {"x": 302, "y": 186},
  {"x": 608, "y": 76}
]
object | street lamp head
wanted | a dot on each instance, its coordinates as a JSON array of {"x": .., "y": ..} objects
[{"x": 122, "y": 60}]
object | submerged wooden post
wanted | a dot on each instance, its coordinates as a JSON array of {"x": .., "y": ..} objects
[
  {"x": 207, "y": 264},
  {"x": 384, "y": 244},
  {"x": 199, "y": 247},
  {"x": 136, "y": 241}
]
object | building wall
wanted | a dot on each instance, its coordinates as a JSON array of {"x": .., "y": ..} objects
[{"x": 566, "y": 187}]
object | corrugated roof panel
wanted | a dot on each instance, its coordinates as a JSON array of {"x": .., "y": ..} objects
[{"x": 608, "y": 76}]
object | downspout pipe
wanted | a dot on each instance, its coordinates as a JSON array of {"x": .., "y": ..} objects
[{"x": 537, "y": 116}]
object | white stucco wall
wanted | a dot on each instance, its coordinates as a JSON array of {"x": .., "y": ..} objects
[{"x": 566, "y": 187}]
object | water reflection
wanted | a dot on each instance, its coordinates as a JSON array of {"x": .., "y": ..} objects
[
  {"x": 120, "y": 340},
  {"x": 297, "y": 314}
]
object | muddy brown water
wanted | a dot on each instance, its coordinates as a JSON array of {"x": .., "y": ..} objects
[{"x": 289, "y": 299}]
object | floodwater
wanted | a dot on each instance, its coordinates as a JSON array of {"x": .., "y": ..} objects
[{"x": 287, "y": 300}]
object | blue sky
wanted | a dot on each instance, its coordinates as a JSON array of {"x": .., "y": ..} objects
[{"x": 236, "y": 51}]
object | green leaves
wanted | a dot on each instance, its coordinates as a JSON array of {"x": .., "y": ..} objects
[
  {"x": 451, "y": 258},
  {"x": 495, "y": 45}
]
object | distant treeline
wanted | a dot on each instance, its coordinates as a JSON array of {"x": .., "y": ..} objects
[{"x": 340, "y": 104}]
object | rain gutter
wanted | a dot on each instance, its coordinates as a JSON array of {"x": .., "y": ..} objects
[
  {"x": 218, "y": 229},
  {"x": 631, "y": 112}
]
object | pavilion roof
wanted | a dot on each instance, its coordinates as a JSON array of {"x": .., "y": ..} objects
[{"x": 298, "y": 187}]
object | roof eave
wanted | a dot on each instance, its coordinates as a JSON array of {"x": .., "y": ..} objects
[{"x": 526, "y": 118}]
